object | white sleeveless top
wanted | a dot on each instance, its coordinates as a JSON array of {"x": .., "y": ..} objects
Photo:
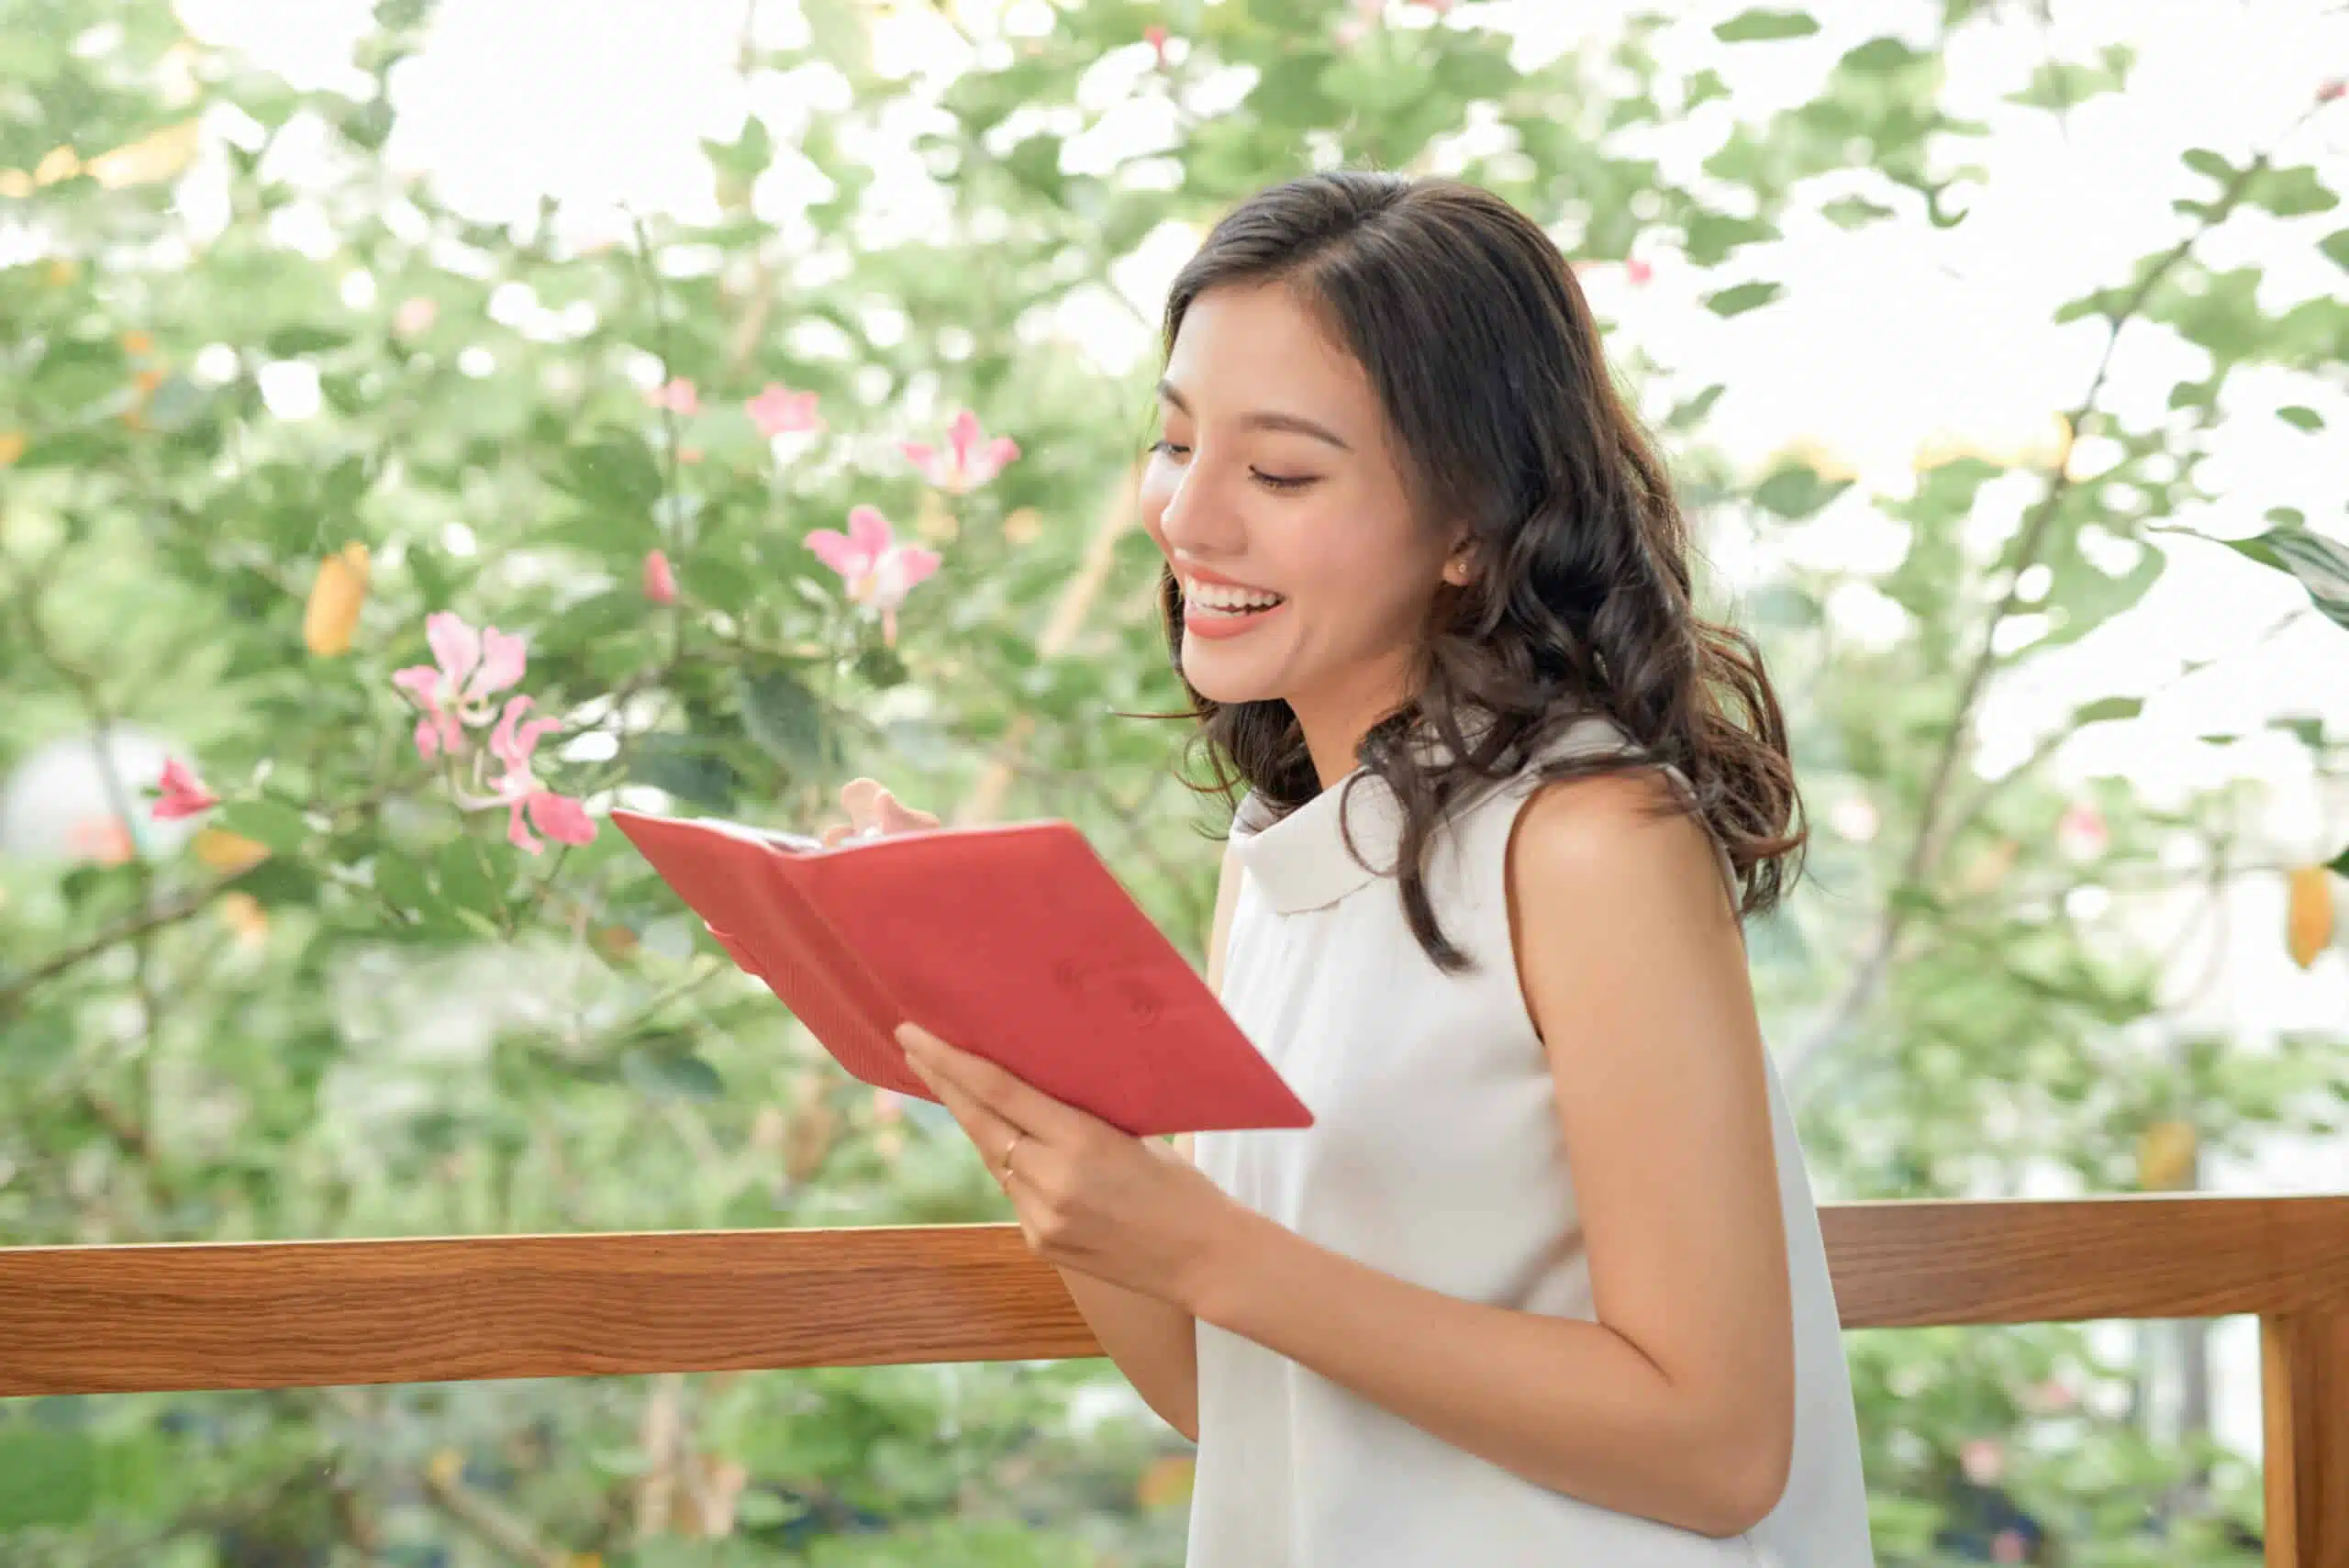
[{"x": 1437, "y": 1157}]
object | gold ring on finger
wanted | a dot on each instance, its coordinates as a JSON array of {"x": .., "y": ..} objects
[{"x": 1005, "y": 1161}]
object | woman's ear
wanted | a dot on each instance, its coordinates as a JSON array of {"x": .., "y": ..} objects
[{"x": 1458, "y": 567}]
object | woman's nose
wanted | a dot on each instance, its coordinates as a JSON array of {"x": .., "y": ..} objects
[{"x": 1197, "y": 517}]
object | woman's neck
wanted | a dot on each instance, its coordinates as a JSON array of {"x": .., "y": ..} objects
[{"x": 1334, "y": 726}]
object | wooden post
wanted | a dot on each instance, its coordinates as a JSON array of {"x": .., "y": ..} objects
[{"x": 2304, "y": 1360}]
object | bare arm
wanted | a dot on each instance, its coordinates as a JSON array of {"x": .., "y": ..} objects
[
  {"x": 1155, "y": 1342},
  {"x": 1678, "y": 1404}
]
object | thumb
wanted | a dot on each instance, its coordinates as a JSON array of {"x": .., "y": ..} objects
[{"x": 899, "y": 818}]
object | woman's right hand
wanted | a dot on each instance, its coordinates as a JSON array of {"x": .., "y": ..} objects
[{"x": 873, "y": 812}]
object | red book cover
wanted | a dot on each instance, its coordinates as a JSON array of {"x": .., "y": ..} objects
[{"x": 1014, "y": 944}]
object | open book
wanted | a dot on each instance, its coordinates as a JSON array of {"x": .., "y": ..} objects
[{"x": 1014, "y": 943}]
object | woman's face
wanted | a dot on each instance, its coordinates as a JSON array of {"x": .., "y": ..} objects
[{"x": 1278, "y": 497}]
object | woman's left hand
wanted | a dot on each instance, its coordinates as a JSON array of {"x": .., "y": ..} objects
[{"x": 1089, "y": 1196}]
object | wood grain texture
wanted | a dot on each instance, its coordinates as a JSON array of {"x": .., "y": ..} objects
[
  {"x": 114, "y": 1320},
  {"x": 1906, "y": 1266},
  {"x": 2304, "y": 1360},
  {"x": 110, "y": 1319}
]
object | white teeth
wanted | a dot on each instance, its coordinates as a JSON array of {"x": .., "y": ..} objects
[{"x": 1224, "y": 597}]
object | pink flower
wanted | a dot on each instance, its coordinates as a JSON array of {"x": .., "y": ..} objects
[
  {"x": 1984, "y": 1461},
  {"x": 182, "y": 794},
  {"x": 2332, "y": 91},
  {"x": 2081, "y": 833},
  {"x": 878, "y": 571},
  {"x": 779, "y": 411},
  {"x": 1636, "y": 272},
  {"x": 660, "y": 582},
  {"x": 1155, "y": 36},
  {"x": 517, "y": 789},
  {"x": 967, "y": 462},
  {"x": 679, "y": 397},
  {"x": 469, "y": 668}
]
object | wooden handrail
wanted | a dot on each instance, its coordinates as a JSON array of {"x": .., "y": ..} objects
[{"x": 278, "y": 1314}]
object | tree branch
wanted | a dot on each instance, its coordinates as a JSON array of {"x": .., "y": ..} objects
[
  {"x": 1926, "y": 845},
  {"x": 164, "y": 912}
]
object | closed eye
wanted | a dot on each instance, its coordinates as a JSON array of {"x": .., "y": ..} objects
[{"x": 1284, "y": 482}]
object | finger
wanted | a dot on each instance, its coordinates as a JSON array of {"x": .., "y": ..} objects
[
  {"x": 860, "y": 798},
  {"x": 989, "y": 1133},
  {"x": 899, "y": 818},
  {"x": 1017, "y": 1102},
  {"x": 837, "y": 833}
]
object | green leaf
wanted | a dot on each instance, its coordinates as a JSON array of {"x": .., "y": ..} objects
[
  {"x": 2203, "y": 161},
  {"x": 613, "y": 472},
  {"x": 1710, "y": 237},
  {"x": 672, "y": 1073},
  {"x": 1743, "y": 297},
  {"x": 2321, "y": 565},
  {"x": 1689, "y": 415},
  {"x": 2105, "y": 710},
  {"x": 1854, "y": 212},
  {"x": 291, "y": 342},
  {"x": 267, "y": 822},
  {"x": 2300, "y": 417},
  {"x": 685, "y": 766},
  {"x": 1797, "y": 492},
  {"x": 47, "y": 1476},
  {"x": 2291, "y": 193},
  {"x": 1880, "y": 57},
  {"x": 2061, "y": 84},
  {"x": 470, "y": 877},
  {"x": 1761, "y": 26},
  {"x": 402, "y": 882},
  {"x": 2339, "y": 865},
  {"x": 2335, "y": 246},
  {"x": 781, "y": 716}
]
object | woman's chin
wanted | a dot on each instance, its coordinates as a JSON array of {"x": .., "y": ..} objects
[{"x": 1223, "y": 677}]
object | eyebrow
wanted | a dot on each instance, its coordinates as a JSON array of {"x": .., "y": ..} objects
[{"x": 1267, "y": 419}]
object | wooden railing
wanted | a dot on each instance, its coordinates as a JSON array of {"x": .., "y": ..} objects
[{"x": 258, "y": 1315}]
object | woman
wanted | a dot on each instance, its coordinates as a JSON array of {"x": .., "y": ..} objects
[{"x": 1544, "y": 1283}]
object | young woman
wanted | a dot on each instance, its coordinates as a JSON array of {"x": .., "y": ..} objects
[{"x": 1544, "y": 1283}]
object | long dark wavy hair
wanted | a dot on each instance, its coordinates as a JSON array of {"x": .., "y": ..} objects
[{"x": 1489, "y": 367}]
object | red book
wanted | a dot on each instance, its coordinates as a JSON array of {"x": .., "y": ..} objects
[{"x": 1014, "y": 943}]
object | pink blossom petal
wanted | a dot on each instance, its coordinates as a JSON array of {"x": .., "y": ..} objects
[
  {"x": 504, "y": 743},
  {"x": 833, "y": 549},
  {"x": 455, "y": 645},
  {"x": 660, "y": 579},
  {"x": 868, "y": 531},
  {"x": 678, "y": 397},
  {"x": 912, "y": 565},
  {"x": 962, "y": 435},
  {"x": 504, "y": 658},
  {"x": 181, "y": 794},
  {"x": 924, "y": 457},
  {"x": 428, "y": 739},
  {"x": 1001, "y": 452},
  {"x": 779, "y": 411},
  {"x": 560, "y": 818},
  {"x": 516, "y": 834},
  {"x": 422, "y": 681}
]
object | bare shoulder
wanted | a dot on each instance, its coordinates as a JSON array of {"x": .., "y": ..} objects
[{"x": 1613, "y": 846}]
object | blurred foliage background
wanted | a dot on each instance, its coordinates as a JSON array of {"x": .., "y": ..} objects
[{"x": 281, "y": 381}]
